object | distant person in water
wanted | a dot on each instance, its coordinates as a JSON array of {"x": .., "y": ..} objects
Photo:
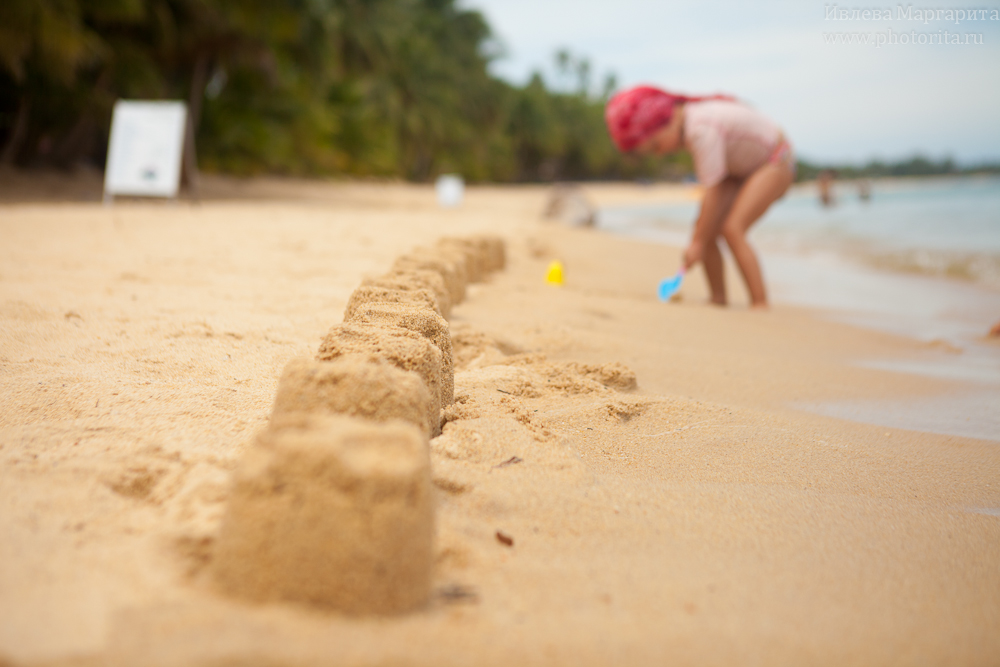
[
  {"x": 864, "y": 190},
  {"x": 741, "y": 158},
  {"x": 824, "y": 183}
]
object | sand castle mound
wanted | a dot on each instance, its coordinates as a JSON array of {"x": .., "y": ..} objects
[
  {"x": 471, "y": 252},
  {"x": 357, "y": 387},
  {"x": 496, "y": 251},
  {"x": 400, "y": 347},
  {"x": 379, "y": 293},
  {"x": 467, "y": 259},
  {"x": 331, "y": 511},
  {"x": 452, "y": 272},
  {"x": 484, "y": 254},
  {"x": 425, "y": 322},
  {"x": 493, "y": 249},
  {"x": 417, "y": 279}
]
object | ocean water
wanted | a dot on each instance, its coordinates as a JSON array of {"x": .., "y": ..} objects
[
  {"x": 920, "y": 258},
  {"x": 940, "y": 227}
]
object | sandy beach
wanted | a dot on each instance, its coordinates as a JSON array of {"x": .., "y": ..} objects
[{"x": 697, "y": 518}]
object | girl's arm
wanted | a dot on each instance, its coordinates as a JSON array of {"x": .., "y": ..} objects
[{"x": 706, "y": 228}]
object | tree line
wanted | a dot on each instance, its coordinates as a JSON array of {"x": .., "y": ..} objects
[
  {"x": 917, "y": 165},
  {"x": 363, "y": 88}
]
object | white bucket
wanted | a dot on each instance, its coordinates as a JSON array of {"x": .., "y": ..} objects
[{"x": 450, "y": 189}]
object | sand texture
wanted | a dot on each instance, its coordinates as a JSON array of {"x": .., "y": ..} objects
[{"x": 617, "y": 481}]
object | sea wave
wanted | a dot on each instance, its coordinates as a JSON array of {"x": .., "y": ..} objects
[
  {"x": 979, "y": 268},
  {"x": 983, "y": 269}
]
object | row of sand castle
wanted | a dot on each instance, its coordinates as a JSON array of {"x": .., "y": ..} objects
[{"x": 332, "y": 504}]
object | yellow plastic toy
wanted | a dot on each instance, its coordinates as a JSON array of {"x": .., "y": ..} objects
[{"x": 554, "y": 276}]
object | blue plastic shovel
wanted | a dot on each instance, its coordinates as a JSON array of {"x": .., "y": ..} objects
[{"x": 670, "y": 286}]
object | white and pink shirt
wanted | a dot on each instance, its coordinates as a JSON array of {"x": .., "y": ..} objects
[{"x": 728, "y": 139}]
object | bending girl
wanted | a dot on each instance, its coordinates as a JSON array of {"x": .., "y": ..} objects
[{"x": 741, "y": 158}]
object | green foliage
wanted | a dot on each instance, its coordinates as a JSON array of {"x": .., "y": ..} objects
[{"x": 391, "y": 88}]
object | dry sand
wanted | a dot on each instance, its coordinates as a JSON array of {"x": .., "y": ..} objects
[{"x": 696, "y": 519}]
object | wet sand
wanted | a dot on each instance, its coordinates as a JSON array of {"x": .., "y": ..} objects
[{"x": 696, "y": 519}]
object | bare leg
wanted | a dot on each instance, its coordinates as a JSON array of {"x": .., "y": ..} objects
[
  {"x": 711, "y": 259},
  {"x": 761, "y": 189}
]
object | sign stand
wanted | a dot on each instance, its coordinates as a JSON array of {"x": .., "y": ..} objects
[{"x": 189, "y": 167}]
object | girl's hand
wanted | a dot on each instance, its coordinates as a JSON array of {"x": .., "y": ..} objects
[{"x": 693, "y": 254}]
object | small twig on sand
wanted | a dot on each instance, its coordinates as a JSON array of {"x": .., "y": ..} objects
[{"x": 511, "y": 461}]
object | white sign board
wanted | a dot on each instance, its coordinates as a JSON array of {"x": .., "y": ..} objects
[{"x": 144, "y": 151}]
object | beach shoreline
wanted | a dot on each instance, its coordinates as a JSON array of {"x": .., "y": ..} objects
[
  {"x": 820, "y": 260},
  {"x": 700, "y": 518}
]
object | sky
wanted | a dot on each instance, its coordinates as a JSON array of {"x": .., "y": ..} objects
[{"x": 837, "y": 102}]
